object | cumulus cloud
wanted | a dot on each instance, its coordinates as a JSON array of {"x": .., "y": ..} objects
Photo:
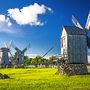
[
  {"x": 28, "y": 14},
  {"x": 8, "y": 22},
  {"x": 6, "y": 25},
  {"x": 4, "y": 20}
]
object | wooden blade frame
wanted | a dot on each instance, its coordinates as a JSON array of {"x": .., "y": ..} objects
[
  {"x": 75, "y": 22},
  {"x": 88, "y": 22}
]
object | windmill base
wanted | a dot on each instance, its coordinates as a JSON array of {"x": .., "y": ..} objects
[
  {"x": 4, "y": 66},
  {"x": 72, "y": 69},
  {"x": 19, "y": 65}
]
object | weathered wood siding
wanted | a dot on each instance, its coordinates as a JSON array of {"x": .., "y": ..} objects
[
  {"x": 77, "y": 52},
  {"x": 74, "y": 44}
]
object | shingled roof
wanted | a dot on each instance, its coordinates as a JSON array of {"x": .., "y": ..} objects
[{"x": 74, "y": 30}]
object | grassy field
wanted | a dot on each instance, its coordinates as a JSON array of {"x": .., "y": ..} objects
[{"x": 42, "y": 79}]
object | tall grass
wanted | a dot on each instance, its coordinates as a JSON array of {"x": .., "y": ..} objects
[{"x": 42, "y": 79}]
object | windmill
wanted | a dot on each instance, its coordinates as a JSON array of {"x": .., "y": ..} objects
[
  {"x": 19, "y": 55},
  {"x": 4, "y": 59},
  {"x": 74, "y": 42},
  {"x": 8, "y": 46},
  {"x": 77, "y": 24}
]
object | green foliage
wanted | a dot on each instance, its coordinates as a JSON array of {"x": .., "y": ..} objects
[
  {"x": 42, "y": 79},
  {"x": 51, "y": 59},
  {"x": 28, "y": 61},
  {"x": 38, "y": 60}
]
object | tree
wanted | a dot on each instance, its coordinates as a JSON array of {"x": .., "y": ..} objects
[
  {"x": 38, "y": 60},
  {"x": 33, "y": 61},
  {"x": 27, "y": 60},
  {"x": 51, "y": 59}
]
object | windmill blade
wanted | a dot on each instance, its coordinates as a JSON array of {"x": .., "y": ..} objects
[
  {"x": 75, "y": 22},
  {"x": 15, "y": 47},
  {"x": 10, "y": 53},
  {"x": 5, "y": 45},
  {"x": 26, "y": 48},
  {"x": 10, "y": 44},
  {"x": 88, "y": 22}
]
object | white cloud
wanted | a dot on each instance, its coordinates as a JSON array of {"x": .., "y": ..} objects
[
  {"x": 49, "y": 9},
  {"x": 6, "y": 30},
  {"x": 31, "y": 55},
  {"x": 5, "y": 24},
  {"x": 10, "y": 30},
  {"x": 4, "y": 21},
  {"x": 28, "y": 14},
  {"x": 9, "y": 24},
  {"x": 2, "y": 18}
]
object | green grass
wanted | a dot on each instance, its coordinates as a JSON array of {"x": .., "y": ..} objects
[{"x": 42, "y": 79}]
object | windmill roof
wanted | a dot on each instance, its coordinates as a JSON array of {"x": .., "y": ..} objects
[
  {"x": 74, "y": 30},
  {"x": 4, "y": 49}
]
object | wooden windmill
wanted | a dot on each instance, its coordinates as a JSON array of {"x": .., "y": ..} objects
[
  {"x": 74, "y": 42},
  {"x": 76, "y": 23},
  {"x": 19, "y": 55},
  {"x": 4, "y": 51}
]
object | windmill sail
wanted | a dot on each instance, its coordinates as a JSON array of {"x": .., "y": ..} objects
[
  {"x": 75, "y": 22},
  {"x": 87, "y": 28},
  {"x": 26, "y": 48},
  {"x": 88, "y": 22},
  {"x": 19, "y": 55},
  {"x": 15, "y": 47},
  {"x": 10, "y": 44}
]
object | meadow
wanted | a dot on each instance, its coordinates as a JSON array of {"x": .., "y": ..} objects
[{"x": 42, "y": 79}]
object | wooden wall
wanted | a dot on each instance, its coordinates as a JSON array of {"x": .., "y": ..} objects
[
  {"x": 76, "y": 49},
  {"x": 64, "y": 42}
]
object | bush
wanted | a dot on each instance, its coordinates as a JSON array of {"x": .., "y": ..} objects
[{"x": 3, "y": 76}]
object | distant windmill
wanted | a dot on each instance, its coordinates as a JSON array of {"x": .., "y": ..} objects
[
  {"x": 4, "y": 59},
  {"x": 76, "y": 23},
  {"x": 8, "y": 46},
  {"x": 19, "y": 55}
]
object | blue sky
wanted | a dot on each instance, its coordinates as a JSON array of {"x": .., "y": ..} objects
[{"x": 38, "y": 22}]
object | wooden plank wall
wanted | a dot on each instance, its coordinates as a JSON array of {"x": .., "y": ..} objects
[
  {"x": 77, "y": 51},
  {"x": 63, "y": 42}
]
